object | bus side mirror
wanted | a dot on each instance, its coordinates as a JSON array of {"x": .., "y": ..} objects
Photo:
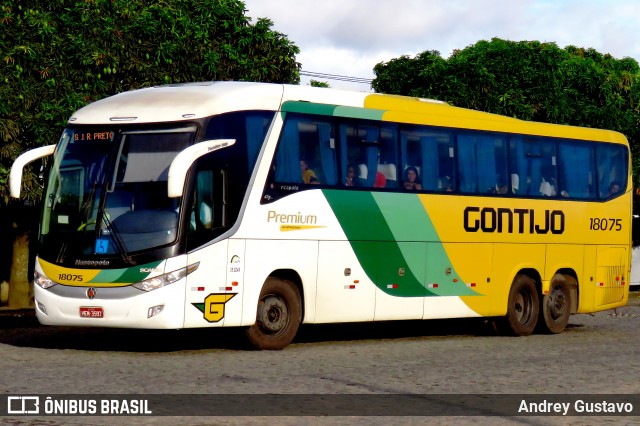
[
  {"x": 183, "y": 161},
  {"x": 15, "y": 175}
]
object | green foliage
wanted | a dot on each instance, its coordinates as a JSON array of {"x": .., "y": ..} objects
[
  {"x": 316, "y": 83},
  {"x": 528, "y": 80},
  {"x": 58, "y": 55}
]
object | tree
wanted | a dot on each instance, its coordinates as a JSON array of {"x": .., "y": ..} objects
[
  {"x": 59, "y": 55},
  {"x": 317, "y": 83},
  {"x": 528, "y": 80}
]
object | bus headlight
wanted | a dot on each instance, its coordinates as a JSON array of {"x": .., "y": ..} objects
[
  {"x": 42, "y": 280},
  {"x": 165, "y": 279}
]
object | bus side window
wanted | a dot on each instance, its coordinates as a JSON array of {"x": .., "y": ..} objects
[
  {"x": 208, "y": 209},
  {"x": 202, "y": 211},
  {"x": 370, "y": 147},
  {"x": 533, "y": 167},
  {"x": 388, "y": 154},
  {"x": 576, "y": 182},
  {"x": 612, "y": 163},
  {"x": 430, "y": 153},
  {"x": 482, "y": 163},
  {"x": 306, "y": 153}
]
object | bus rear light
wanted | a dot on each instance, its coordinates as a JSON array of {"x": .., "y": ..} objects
[
  {"x": 471, "y": 284},
  {"x": 392, "y": 285},
  {"x": 350, "y": 287},
  {"x": 434, "y": 285},
  {"x": 154, "y": 310}
]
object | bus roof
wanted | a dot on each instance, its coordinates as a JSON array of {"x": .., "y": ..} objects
[{"x": 187, "y": 101}]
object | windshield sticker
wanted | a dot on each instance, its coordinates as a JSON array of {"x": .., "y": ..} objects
[{"x": 102, "y": 246}]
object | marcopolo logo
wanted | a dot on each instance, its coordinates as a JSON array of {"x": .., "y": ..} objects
[{"x": 521, "y": 221}]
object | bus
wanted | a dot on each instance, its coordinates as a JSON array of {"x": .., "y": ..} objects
[{"x": 267, "y": 206}]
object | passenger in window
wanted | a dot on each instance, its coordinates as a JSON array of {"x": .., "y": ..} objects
[
  {"x": 308, "y": 175},
  {"x": 411, "y": 179},
  {"x": 614, "y": 189},
  {"x": 352, "y": 178}
]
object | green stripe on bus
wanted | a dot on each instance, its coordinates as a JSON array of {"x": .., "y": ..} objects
[
  {"x": 363, "y": 113},
  {"x": 411, "y": 223},
  {"x": 398, "y": 249},
  {"x": 125, "y": 275},
  {"x": 332, "y": 110},
  {"x": 308, "y": 108},
  {"x": 374, "y": 243}
]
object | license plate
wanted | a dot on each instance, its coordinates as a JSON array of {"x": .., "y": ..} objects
[{"x": 91, "y": 312}]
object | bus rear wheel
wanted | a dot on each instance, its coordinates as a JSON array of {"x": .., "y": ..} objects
[
  {"x": 523, "y": 307},
  {"x": 278, "y": 315},
  {"x": 555, "y": 308}
]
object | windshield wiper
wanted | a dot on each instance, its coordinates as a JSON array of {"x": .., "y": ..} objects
[{"x": 113, "y": 231}]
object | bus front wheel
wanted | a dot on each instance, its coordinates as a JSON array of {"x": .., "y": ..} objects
[
  {"x": 522, "y": 308},
  {"x": 278, "y": 315},
  {"x": 555, "y": 308}
]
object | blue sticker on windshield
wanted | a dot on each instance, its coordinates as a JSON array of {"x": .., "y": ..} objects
[{"x": 102, "y": 246}]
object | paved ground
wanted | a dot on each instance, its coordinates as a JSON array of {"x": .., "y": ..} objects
[{"x": 597, "y": 354}]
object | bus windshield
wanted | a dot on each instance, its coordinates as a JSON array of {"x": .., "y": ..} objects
[{"x": 107, "y": 192}]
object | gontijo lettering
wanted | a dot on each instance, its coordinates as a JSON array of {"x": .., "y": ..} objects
[
  {"x": 298, "y": 218},
  {"x": 507, "y": 220}
]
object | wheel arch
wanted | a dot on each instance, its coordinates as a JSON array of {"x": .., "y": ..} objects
[
  {"x": 574, "y": 286},
  {"x": 294, "y": 277},
  {"x": 534, "y": 275}
]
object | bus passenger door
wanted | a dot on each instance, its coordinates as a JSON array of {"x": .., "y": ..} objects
[
  {"x": 344, "y": 292},
  {"x": 207, "y": 299},
  {"x": 212, "y": 289}
]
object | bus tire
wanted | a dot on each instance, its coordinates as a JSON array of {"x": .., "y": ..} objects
[
  {"x": 523, "y": 308},
  {"x": 278, "y": 315},
  {"x": 555, "y": 308}
]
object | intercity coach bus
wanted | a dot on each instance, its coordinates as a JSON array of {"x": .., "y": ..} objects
[{"x": 264, "y": 206}]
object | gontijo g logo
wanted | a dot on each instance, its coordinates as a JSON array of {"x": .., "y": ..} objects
[{"x": 213, "y": 306}]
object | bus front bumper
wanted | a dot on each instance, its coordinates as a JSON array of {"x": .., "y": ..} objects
[{"x": 158, "y": 309}]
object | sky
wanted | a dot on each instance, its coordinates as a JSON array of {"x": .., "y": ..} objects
[{"x": 349, "y": 37}]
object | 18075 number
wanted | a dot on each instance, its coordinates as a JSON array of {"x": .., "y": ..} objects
[
  {"x": 69, "y": 277},
  {"x": 605, "y": 224}
]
